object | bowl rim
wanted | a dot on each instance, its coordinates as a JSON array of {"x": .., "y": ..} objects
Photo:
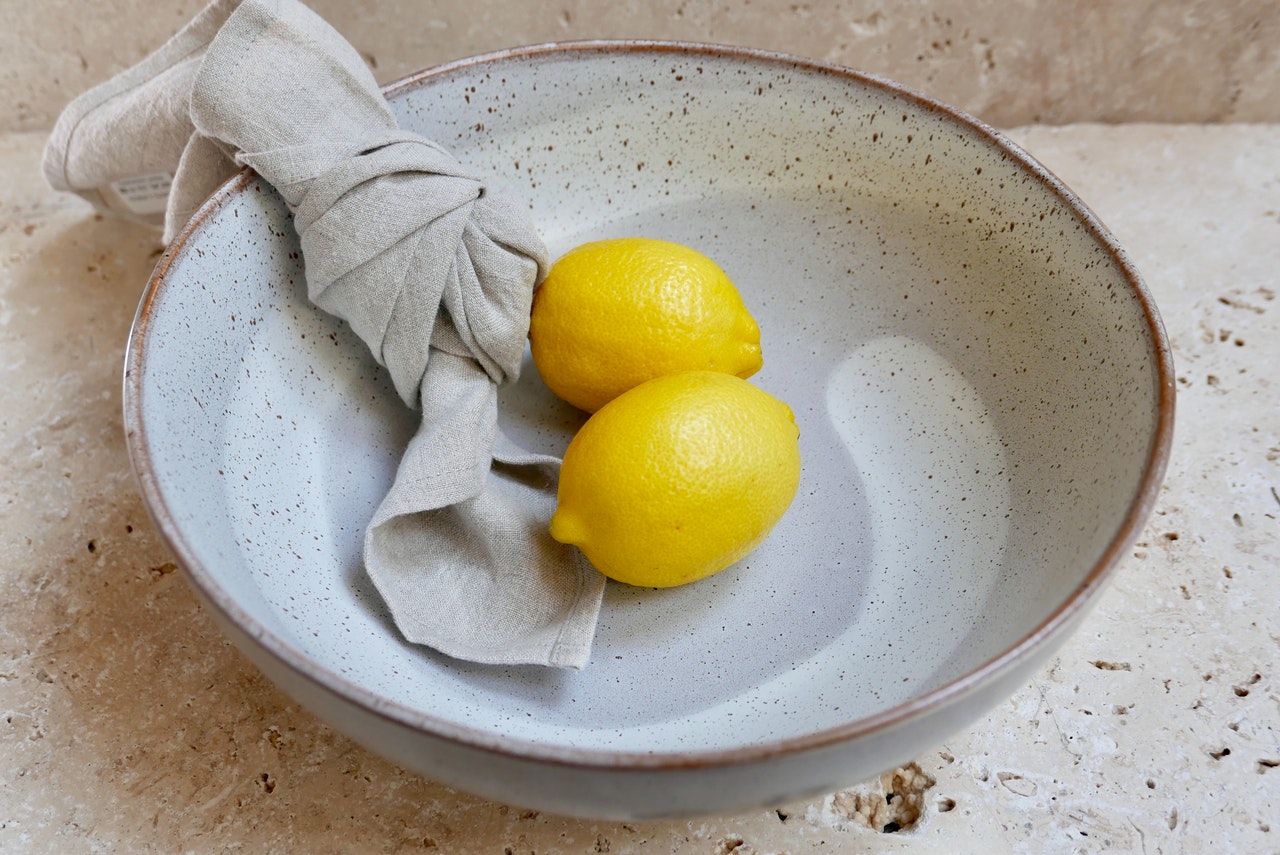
[{"x": 295, "y": 660}]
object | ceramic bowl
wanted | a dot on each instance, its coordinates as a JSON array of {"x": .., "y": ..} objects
[{"x": 982, "y": 382}]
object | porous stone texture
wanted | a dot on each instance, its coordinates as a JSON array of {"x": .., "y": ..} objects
[
  {"x": 1044, "y": 61},
  {"x": 127, "y": 723}
]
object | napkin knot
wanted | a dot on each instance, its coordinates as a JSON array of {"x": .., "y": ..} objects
[
  {"x": 399, "y": 239},
  {"x": 431, "y": 267},
  {"x": 370, "y": 211}
]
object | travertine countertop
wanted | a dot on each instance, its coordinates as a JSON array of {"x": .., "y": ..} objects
[{"x": 128, "y": 724}]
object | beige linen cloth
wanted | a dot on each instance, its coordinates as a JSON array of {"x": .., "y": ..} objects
[{"x": 434, "y": 271}]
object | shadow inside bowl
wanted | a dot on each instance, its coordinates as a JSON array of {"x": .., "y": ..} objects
[{"x": 940, "y": 320}]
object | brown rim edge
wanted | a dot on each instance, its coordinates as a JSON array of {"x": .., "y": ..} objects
[{"x": 1140, "y": 509}]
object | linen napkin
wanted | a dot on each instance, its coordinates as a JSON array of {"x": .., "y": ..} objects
[{"x": 431, "y": 267}]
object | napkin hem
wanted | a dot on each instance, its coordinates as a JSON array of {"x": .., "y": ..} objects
[{"x": 182, "y": 46}]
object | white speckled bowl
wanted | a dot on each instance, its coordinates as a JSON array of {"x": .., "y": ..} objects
[{"x": 982, "y": 382}]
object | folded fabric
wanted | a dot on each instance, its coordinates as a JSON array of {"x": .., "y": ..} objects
[
  {"x": 434, "y": 270},
  {"x": 127, "y": 145}
]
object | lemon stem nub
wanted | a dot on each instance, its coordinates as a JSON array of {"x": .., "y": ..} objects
[
  {"x": 567, "y": 528},
  {"x": 677, "y": 478}
]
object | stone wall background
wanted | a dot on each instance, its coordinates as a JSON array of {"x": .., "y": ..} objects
[{"x": 1010, "y": 62}]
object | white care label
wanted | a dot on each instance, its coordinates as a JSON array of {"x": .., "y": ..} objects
[{"x": 144, "y": 195}]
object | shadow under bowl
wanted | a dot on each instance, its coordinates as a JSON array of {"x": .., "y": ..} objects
[{"x": 982, "y": 382}]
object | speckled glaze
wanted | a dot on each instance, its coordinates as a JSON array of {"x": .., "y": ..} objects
[{"x": 982, "y": 382}]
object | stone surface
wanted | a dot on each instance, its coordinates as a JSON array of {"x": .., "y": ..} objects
[
  {"x": 127, "y": 723},
  {"x": 1043, "y": 61}
]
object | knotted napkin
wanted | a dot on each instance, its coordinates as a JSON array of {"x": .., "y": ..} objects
[{"x": 434, "y": 270}]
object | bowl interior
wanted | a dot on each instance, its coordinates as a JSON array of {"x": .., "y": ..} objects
[{"x": 974, "y": 368}]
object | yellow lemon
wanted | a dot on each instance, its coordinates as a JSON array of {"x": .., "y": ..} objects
[
  {"x": 614, "y": 313},
  {"x": 678, "y": 478}
]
